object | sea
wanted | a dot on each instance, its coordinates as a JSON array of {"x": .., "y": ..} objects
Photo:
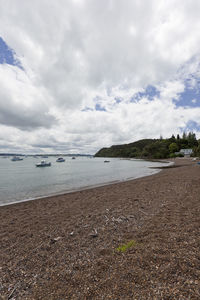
[{"x": 22, "y": 180}]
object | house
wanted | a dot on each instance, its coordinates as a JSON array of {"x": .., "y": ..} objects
[{"x": 186, "y": 152}]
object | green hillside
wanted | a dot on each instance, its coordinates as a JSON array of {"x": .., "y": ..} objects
[{"x": 153, "y": 148}]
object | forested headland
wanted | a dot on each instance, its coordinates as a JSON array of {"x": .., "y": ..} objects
[{"x": 154, "y": 148}]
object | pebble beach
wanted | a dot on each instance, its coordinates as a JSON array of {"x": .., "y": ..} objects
[{"x": 138, "y": 239}]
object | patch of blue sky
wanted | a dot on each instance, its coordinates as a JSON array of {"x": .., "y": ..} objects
[
  {"x": 8, "y": 56},
  {"x": 190, "y": 97},
  {"x": 98, "y": 107},
  {"x": 191, "y": 126},
  {"x": 150, "y": 93},
  {"x": 118, "y": 100}
]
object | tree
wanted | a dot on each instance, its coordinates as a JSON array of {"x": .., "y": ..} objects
[
  {"x": 196, "y": 151},
  {"x": 184, "y": 137},
  {"x": 172, "y": 139},
  {"x": 173, "y": 147},
  {"x": 192, "y": 141}
]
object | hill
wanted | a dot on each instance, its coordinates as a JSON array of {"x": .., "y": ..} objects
[{"x": 153, "y": 148}]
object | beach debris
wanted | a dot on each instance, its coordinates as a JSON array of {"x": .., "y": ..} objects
[
  {"x": 120, "y": 219},
  {"x": 107, "y": 219},
  {"x": 52, "y": 241},
  {"x": 131, "y": 217},
  {"x": 94, "y": 234},
  {"x": 13, "y": 290},
  {"x": 146, "y": 214},
  {"x": 71, "y": 233},
  {"x": 85, "y": 226},
  {"x": 135, "y": 199}
]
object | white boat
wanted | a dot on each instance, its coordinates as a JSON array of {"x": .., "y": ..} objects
[
  {"x": 16, "y": 158},
  {"x": 43, "y": 163},
  {"x": 60, "y": 159}
]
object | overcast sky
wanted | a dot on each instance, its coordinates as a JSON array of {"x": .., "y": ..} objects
[{"x": 78, "y": 75}]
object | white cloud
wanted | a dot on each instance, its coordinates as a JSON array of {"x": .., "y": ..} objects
[
  {"x": 74, "y": 52},
  {"x": 22, "y": 104},
  {"x": 171, "y": 90}
]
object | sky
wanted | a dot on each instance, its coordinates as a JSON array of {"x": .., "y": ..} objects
[{"x": 79, "y": 75}]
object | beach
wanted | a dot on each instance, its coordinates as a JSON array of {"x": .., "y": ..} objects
[{"x": 70, "y": 246}]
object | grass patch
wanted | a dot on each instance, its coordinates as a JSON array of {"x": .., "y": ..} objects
[{"x": 123, "y": 248}]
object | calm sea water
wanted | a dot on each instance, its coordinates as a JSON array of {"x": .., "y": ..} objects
[{"x": 22, "y": 180}]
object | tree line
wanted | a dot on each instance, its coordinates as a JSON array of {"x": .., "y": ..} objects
[{"x": 154, "y": 148}]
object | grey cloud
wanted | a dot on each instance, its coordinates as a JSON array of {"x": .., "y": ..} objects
[
  {"x": 18, "y": 116},
  {"x": 25, "y": 122},
  {"x": 67, "y": 147}
]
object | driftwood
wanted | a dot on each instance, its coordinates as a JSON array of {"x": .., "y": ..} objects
[{"x": 12, "y": 292}]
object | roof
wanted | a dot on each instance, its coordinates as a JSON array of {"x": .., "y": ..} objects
[{"x": 186, "y": 151}]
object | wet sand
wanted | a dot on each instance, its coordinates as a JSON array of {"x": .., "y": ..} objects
[{"x": 65, "y": 247}]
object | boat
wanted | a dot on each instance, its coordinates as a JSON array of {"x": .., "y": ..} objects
[
  {"x": 73, "y": 157},
  {"x": 43, "y": 163},
  {"x": 60, "y": 159},
  {"x": 106, "y": 161},
  {"x": 16, "y": 158}
]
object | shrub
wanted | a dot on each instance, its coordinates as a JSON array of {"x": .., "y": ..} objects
[{"x": 123, "y": 248}]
